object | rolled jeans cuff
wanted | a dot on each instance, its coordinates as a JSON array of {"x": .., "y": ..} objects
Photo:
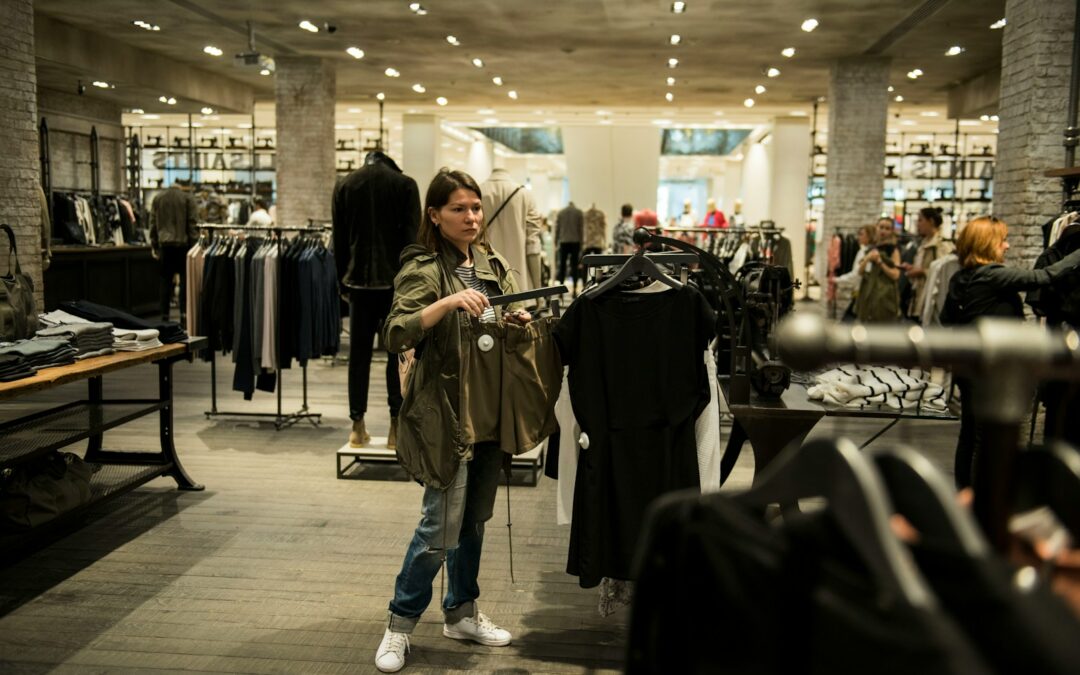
[
  {"x": 465, "y": 610},
  {"x": 403, "y": 624}
]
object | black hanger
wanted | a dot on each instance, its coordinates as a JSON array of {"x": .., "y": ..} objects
[
  {"x": 921, "y": 494},
  {"x": 1050, "y": 476},
  {"x": 837, "y": 471},
  {"x": 639, "y": 263}
]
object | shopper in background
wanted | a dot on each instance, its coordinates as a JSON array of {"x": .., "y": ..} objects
[
  {"x": 866, "y": 237},
  {"x": 622, "y": 236},
  {"x": 986, "y": 287},
  {"x": 173, "y": 215},
  {"x": 443, "y": 273},
  {"x": 513, "y": 226},
  {"x": 260, "y": 217},
  {"x": 931, "y": 247},
  {"x": 879, "y": 300}
]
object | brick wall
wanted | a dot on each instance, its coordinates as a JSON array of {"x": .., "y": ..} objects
[
  {"x": 20, "y": 173},
  {"x": 1036, "y": 50},
  {"x": 305, "y": 90},
  {"x": 858, "y": 113}
]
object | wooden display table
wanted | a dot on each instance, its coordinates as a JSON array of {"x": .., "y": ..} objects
[{"x": 31, "y": 436}]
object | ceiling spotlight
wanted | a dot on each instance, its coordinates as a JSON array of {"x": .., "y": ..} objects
[
  {"x": 773, "y": 72},
  {"x": 984, "y": 118},
  {"x": 891, "y": 89},
  {"x": 212, "y": 50},
  {"x": 264, "y": 71},
  {"x": 675, "y": 39},
  {"x": 381, "y": 96},
  {"x": 308, "y": 26},
  {"x": 512, "y": 94},
  {"x": 498, "y": 81},
  {"x": 137, "y": 111},
  {"x": 915, "y": 74},
  {"x": 1000, "y": 23},
  {"x": 163, "y": 99},
  {"x": 799, "y": 113},
  {"x": 760, "y": 89},
  {"x": 669, "y": 96},
  {"x": 171, "y": 101},
  {"x": 809, "y": 25},
  {"x": 392, "y": 72},
  {"x": 478, "y": 63},
  {"x": 485, "y": 111},
  {"x": 441, "y": 100},
  {"x": 207, "y": 111},
  {"x": 673, "y": 63},
  {"x": 749, "y": 103},
  {"x": 788, "y": 52},
  {"x": 418, "y": 88},
  {"x": 146, "y": 26},
  {"x": 899, "y": 98},
  {"x": 678, "y": 7},
  {"x": 994, "y": 118},
  {"x": 421, "y": 12},
  {"x": 671, "y": 81},
  {"x": 355, "y": 52},
  {"x": 100, "y": 84},
  {"x": 453, "y": 40},
  {"x": 929, "y": 113},
  {"x": 954, "y": 50}
]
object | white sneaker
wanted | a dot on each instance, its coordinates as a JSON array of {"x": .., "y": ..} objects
[
  {"x": 391, "y": 655},
  {"x": 478, "y": 629}
]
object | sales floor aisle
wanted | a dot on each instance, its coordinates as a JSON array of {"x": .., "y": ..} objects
[{"x": 279, "y": 567}]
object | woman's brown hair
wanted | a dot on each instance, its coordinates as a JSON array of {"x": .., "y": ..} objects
[
  {"x": 979, "y": 242},
  {"x": 444, "y": 184}
]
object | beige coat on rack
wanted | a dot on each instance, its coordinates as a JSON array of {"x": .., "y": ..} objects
[{"x": 515, "y": 234}]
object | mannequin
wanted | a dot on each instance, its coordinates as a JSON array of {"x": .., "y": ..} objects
[
  {"x": 687, "y": 218},
  {"x": 376, "y": 213},
  {"x": 595, "y": 239},
  {"x": 736, "y": 216},
  {"x": 714, "y": 217}
]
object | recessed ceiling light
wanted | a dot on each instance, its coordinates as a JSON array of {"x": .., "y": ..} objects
[
  {"x": 100, "y": 84},
  {"x": 661, "y": 123},
  {"x": 355, "y": 111},
  {"x": 773, "y": 72},
  {"x": 718, "y": 113},
  {"x": 497, "y": 81},
  {"x": 675, "y": 39},
  {"x": 760, "y": 89},
  {"x": 915, "y": 73},
  {"x": 891, "y": 89},
  {"x": 453, "y": 40},
  {"x": 799, "y": 113},
  {"x": 678, "y": 7},
  {"x": 171, "y": 101},
  {"x": 137, "y": 111},
  {"x": 954, "y": 50},
  {"x": 355, "y": 52},
  {"x": 969, "y": 123},
  {"x": 421, "y": 12},
  {"x": 809, "y": 25},
  {"x": 419, "y": 88},
  {"x": 512, "y": 94},
  {"x": 908, "y": 123},
  {"x": 344, "y": 126},
  {"x": 308, "y": 26},
  {"x": 994, "y": 118},
  {"x": 899, "y": 98},
  {"x": 207, "y": 111},
  {"x": 414, "y": 6},
  {"x": 749, "y": 103},
  {"x": 441, "y": 100},
  {"x": 671, "y": 82},
  {"x": 151, "y": 117},
  {"x": 392, "y": 72},
  {"x": 485, "y": 111},
  {"x": 929, "y": 113},
  {"x": 381, "y": 96},
  {"x": 244, "y": 125},
  {"x": 788, "y": 52},
  {"x": 146, "y": 26},
  {"x": 478, "y": 63},
  {"x": 673, "y": 63},
  {"x": 602, "y": 113},
  {"x": 1000, "y": 23},
  {"x": 491, "y": 120},
  {"x": 163, "y": 99},
  {"x": 212, "y": 50},
  {"x": 669, "y": 96},
  {"x": 264, "y": 71}
]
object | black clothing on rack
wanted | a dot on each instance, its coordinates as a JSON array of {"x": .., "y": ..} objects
[{"x": 169, "y": 331}]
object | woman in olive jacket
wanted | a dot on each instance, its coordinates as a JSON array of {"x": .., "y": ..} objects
[{"x": 442, "y": 274}]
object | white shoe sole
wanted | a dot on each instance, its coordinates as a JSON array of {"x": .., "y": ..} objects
[
  {"x": 455, "y": 635},
  {"x": 389, "y": 670}
]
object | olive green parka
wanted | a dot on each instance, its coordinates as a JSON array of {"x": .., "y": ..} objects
[{"x": 430, "y": 444}]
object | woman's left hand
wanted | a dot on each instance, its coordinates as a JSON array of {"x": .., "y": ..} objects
[{"x": 520, "y": 317}]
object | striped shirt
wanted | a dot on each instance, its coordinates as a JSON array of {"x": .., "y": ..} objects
[{"x": 468, "y": 275}]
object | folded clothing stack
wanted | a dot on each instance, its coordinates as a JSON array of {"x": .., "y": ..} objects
[
  {"x": 41, "y": 353},
  {"x": 14, "y": 367},
  {"x": 88, "y": 339},
  {"x": 131, "y": 340},
  {"x": 169, "y": 331}
]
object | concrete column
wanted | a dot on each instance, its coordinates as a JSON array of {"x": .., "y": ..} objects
[
  {"x": 480, "y": 159},
  {"x": 305, "y": 89},
  {"x": 518, "y": 167},
  {"x": 421, "y": 138},
  {"x": 789, "y": 145},
  {"x": 858, "y": 115},
  {"x": 756, "y": 183},
  {"x": 610, "y": 166},
  {"x": 1036, "y": 50},
  {"x": 20, "y": 173},
  {"x": 733, "y": 173}
]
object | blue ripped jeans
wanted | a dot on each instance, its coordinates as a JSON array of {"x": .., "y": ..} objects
[{"x": 451, "y": 525}]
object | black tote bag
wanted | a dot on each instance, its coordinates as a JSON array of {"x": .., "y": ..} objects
[{"x": 18, "y": 313}]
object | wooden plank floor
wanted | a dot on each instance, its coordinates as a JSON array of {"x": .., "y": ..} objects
[{"x": 279, "y": 567}]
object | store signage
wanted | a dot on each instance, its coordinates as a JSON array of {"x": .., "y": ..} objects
[
  {"x": 211, "y": 160},
  {"x": 943, "y": 169}
]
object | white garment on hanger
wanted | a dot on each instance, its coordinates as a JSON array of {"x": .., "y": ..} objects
[{"x": 740, "y": 258}]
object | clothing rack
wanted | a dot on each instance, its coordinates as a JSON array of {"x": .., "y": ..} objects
[
  {"x": 281, "y": 420},
  {"x": 534, "y": 294},
  {"x": 680, "y": 261}
]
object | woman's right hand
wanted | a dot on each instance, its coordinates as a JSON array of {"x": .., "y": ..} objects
[{"x": 473, "y": 302}]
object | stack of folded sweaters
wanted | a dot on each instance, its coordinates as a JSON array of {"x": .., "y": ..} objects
[
  {"x": 169, "y": 331},
  {"x": 88, "y": 339},
  {"x": 14, "y": 367},
  {"x": 40, "y": 354},
  {"x": 123, "y": 339}
]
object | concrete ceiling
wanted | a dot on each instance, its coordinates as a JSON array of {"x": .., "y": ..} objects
[{"x": 560, "y": 53}]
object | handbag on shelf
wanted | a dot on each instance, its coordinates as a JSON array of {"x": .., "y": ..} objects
[
  {"x": 18, "y": 312},
  {"x": 41, "y": 489}
]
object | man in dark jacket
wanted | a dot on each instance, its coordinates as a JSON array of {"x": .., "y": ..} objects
[
  {"x": 376, "y": 211},
  {"x": 173, "y": 215}
]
